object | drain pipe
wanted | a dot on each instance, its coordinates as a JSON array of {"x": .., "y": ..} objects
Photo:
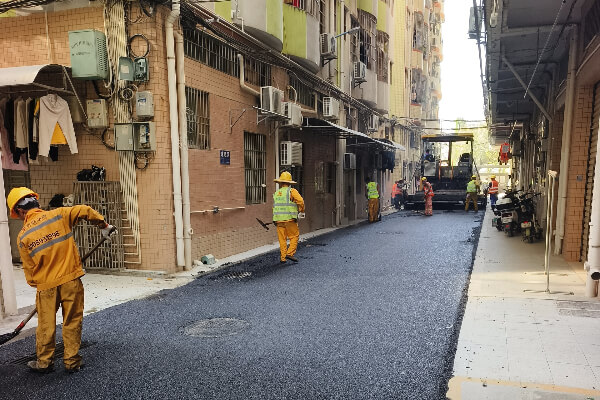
[
  {"x": 563, "y": 179},
  {"x": 592, "y": 265},
  {"x": 174, "y": 123},
  {"x": 183, "y": 146},
  {"x": 6, "y": 268},
  {"x": 243, "y": 85}
]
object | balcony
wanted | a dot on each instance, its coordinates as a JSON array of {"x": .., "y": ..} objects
[
  {"x": 262, "y": 19},
  {"x": 370, "y": 6},
  {"x": 416, "y": 59},
  {"x": 415, "y": 110},
  {"x": 301, "y": 33}
]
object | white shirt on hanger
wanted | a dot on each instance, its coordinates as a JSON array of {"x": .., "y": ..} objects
[{"x": 53, "y": 110}]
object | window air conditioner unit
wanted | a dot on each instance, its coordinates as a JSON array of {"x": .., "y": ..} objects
[
  {"x": 349, "y": 161},
  {"x": 373, "y": 125},
  {"x": 328, "y": 46},
  {"x": 359, "y": 72},
  {"x": 290, "y": 153},
  {"x": 331, "y": 108},
  {"x": 293, "y": 113},
  {"x": 271, "y": 99}
]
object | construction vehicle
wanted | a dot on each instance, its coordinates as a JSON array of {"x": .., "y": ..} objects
[{"x": 448, "y": 164}]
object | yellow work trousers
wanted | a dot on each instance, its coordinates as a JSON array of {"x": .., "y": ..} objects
[
  {"x": 70, "y": 297},
  {"x": 287, "y": 230},
  {"x": 373, "y": 210},
  {"x": 471, "y": 197}
]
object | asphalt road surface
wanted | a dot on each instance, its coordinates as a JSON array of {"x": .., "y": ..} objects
[{"x": 370, "y": 312}]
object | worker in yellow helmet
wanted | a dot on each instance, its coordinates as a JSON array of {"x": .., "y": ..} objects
[
  {"x": 372, "y": 194},
  {"x": 288, "y": 206},
  {"x": 52, "y": 265},
  {"x": 493, "y": 191},
  {"x": 472, "y": 191}
]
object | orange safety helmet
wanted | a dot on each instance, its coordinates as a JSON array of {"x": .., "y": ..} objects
[{"x": 16, "y": 195}]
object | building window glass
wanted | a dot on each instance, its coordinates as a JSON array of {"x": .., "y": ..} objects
[
  {"x": 304, "y": 92},
  {"x": 198, "y": 118},
  {"x": 255, "y": 167}
]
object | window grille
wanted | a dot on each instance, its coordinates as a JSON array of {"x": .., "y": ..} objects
[
  {"x": 322, "y": 17},
  {"x": 354, "y": 56},
  {"x": 256, "y": 72},
  {"x": 209, "y": 50},
  {"x": 198, "y": 118},
  {"x": 330, "y": 178},
  {"x": 382, "y": 56},
  {"x": 368, "y": 30},
  {"x": 310, "y": 6},
  {"x": 305, "y": 93},
  {"x": 255, "y": 167}
]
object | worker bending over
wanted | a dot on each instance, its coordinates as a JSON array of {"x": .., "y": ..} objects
[
  {"x": 52, "y": 265},
  {"x": 288, "y": 206},
  {"x": 472, "y": 190}
]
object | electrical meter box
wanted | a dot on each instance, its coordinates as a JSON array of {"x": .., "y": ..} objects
[
  {"x": 97, "y": 114},
  {"x": 89, "y": 58},
  {"x": 144, "y": 104},
  {"x": 137, "y": 136},
  {"x": 141, "y": 70}
]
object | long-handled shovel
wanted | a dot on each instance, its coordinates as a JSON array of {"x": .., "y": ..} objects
[
  {"x": 264, "y": 224},
  {"x": 8, "y": 336}
]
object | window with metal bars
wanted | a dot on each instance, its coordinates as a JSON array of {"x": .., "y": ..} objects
[
  {"x": 353, "y": 40},
  {"x": 256, "y": 72},
  {"x": 255, "y": 167},
  {"x": 304, "y": 92},
  {"x": 211, "y": 51},
  {"x": 322, "y": 17},
  {"x": 198, "y": 118},
  {"x": 382, "y": 56},
  {"x": 368, "y": 30},
  {"x": 310, "y": 6}
]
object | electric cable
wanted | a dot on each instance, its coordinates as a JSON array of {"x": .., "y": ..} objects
[
  {"x": 147, "y": 8},
  {"x": 105, "y": 142},
  {"x": 132, "y": 38}
]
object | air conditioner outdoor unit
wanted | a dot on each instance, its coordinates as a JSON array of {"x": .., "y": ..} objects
[
  {"x": 328, "y": 46},
  {"x": 359, "y": 72},
  {"x": 349, "y": 161},
  {"x": 331, "y": 108},
  {"x": 271, "y": 99},
  {"x": 293, "y": 113},
  {"x": 373, "y": 125},
  {"x": 290, "y": 153}
]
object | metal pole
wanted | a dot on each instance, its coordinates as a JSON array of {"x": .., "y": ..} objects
[{"x": 549, "y": 212}]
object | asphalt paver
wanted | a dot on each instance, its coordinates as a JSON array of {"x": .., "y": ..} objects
[{"x": 371, "y": 311}]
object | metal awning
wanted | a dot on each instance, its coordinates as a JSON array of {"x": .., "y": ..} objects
[
  {"x": 329, "y": 128},
  {"x": 32, "y": 78}
]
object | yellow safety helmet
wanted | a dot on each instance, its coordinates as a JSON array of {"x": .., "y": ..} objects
[
  {"x": 285, "y": 177},
  {"x": 473, "y": 176},
  {"x": 493, "y": 177},
  {"x": 16, "y": 195},
  {"x": 424, "y": 178}
]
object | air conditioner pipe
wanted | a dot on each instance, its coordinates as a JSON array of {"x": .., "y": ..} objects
[
  {"x": 243, "y": 85},
  {"x": 183, "y": 150},
  {"x": 563, "y": 180},
  {"x": 174, "y": 124}
]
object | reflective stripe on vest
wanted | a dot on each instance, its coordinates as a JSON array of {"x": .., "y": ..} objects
[
  {"x": 284, "y": 209},
  {"x": 471, "y": 187},
  {"x": 372, "y": 192},
  {"x": 494, "y": 188}
]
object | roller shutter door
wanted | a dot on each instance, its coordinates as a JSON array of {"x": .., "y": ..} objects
[{"x": 591, "y": 165}]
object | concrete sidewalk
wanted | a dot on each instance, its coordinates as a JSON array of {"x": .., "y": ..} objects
[{"x": 518, "y": 342}]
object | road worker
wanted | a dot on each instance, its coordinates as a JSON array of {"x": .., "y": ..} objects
[
  {"x": 396, "y": 195},
  {"x": 372, "y": 194},
  {"x": 472, "y": 190},
  {"x": 493, "y": 191},
  {"x": 52, "y": 265},
  {"x": 288, "y": 206},
  {"x": 427, "y": 196}
]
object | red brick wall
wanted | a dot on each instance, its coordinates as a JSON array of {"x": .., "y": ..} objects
[{"x": 577, "y": 173}]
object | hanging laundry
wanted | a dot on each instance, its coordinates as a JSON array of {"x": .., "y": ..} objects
[
  {"x": 32, "y": 132},
  {"x": 7, "y": 155},
  {"x": 54, "y": 113}
]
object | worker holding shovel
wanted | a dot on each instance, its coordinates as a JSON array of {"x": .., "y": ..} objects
[
  {"x": 288, "y": 206},
  {"x": 52, "y": 265}
]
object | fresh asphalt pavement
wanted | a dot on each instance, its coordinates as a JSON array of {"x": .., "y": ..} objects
[{"x": 370, "y": 312}]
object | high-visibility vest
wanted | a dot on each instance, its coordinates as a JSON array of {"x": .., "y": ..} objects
[
  {"x": 284, "y": 209},
  {"x": 493, "y": 189},
  {"x": 395, "y": 190},
  {"x": 372, "y": 192},
  {"x": 471, "y": 187}
]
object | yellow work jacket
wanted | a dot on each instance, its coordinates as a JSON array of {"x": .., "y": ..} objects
[
  {"x": 295, "y": 197},
  {"x": 48, "y": 251}
]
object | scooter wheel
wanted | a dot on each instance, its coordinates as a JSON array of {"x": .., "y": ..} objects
[
  {"x": 498, "y": 227},
  {"x": 510, "y": 233},
  {"x": 530, "y": 239}
]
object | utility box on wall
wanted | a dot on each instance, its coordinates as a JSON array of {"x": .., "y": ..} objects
[
  {"x": 144, "y": 104},
  {"x": 136, "y": 136},
  {"x": 89, "y": 58}
]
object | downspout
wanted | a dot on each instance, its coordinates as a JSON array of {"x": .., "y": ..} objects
[
  {"x": 183, "y": 150},
  {"x": 174, "y": 123},
  {"x": 340, "y": 143},
  {"x": 565, "y": 150},
  {"x": 243, "y": 85},
  {"x": 592, "y": 265}
]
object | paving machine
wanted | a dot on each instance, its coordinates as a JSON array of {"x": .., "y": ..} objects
[{"x": 448, "y": 165}]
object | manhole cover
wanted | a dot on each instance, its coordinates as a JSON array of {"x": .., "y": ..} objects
[{"x": 216, "y": 327}]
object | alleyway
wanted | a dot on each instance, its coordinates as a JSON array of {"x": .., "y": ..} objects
[{"x": 370, "y": 312}]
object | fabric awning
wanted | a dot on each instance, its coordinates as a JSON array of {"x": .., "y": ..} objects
[{"x": 329, "y": 128}]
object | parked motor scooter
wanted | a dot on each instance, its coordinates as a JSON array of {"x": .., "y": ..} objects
[
  {"x": 509, "y": 208},
  {"x": 530, "y": 226}
]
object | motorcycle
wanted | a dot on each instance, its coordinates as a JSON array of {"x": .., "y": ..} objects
[
  {"x": 530, "y": 226},
  {"x": 509, "y": 210}
]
